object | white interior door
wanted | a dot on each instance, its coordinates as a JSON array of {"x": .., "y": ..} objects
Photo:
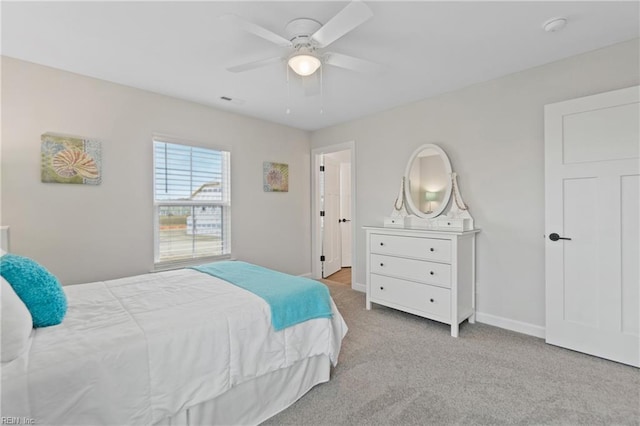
[
  {"x": 331, "y": 245},
  {"x": 592, "y": 172},
  {"x": 345, "y": 213}
]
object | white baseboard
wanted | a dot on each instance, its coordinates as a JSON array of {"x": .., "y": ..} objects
[
  {"x": 496, "y": 321},
  {"x": 509, "y": 324},
  {"x": 359, "y": 287}
]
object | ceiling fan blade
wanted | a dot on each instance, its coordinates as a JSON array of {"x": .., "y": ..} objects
[
  {"x": 346, "y": 20},
  {"x": 256, "y": 29},
  {"x": 255, "y": 64},
  {"x": 351, "y": 63}
]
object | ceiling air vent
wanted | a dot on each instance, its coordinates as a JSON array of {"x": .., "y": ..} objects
[{"x": 233, "y": 101}]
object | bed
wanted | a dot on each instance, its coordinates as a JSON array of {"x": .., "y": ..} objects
[{"x": 176, "y": 347}]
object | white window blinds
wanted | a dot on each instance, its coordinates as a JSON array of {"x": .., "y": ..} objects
[{"x": 192, "y": 195}]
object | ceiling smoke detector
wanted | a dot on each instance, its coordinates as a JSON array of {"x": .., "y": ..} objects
[{"x": 554, "y": 24}]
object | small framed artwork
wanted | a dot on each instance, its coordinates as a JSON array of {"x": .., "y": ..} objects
[
  {"x": 70, "y": 159},
  {"x": 275, "y": 177}
]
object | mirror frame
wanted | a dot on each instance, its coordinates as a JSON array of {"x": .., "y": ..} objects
[{"x": 447, "y": 196}]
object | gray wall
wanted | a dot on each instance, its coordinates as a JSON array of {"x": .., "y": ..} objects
[
  {"x": 493, "y": 134},
  {"x": 85, "y": 233}
]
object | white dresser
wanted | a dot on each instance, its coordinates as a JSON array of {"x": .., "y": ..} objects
[{"x": 423, "y": 272}]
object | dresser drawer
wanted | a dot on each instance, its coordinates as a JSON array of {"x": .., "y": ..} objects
[
  {"x": 418, "y": 248},
  {"x": 422, "y": 297},
  {"x": 416, "y": 270}
]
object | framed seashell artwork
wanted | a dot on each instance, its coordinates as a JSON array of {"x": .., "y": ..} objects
[
  {"x": 70, "y": 159},
  {"x": 275, "y": 177}
]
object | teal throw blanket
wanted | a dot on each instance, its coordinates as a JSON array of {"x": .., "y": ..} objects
[{"x": 292, "y": 299}]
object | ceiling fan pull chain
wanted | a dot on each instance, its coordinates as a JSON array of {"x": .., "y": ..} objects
[
  {"x": 321, "y": 91},
  {"x": 288, "y": 110}
]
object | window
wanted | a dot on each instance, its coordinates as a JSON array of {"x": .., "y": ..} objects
[{"x": 192, "y": 202}]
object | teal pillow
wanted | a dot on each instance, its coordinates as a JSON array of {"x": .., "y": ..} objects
[{"x": 39, "y": 290}]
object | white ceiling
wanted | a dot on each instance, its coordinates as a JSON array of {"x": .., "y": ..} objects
[{"x": 181, "y": 49}]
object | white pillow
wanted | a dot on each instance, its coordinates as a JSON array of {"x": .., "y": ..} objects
[{"x": 16, "y": 323}]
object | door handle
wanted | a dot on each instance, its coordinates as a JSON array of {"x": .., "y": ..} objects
[
  {"x": 556, "y": 237},
  {"x": 344, "y": 220}
]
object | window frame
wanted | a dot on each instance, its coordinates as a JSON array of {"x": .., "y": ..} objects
[{"x": 160, "y": 265}]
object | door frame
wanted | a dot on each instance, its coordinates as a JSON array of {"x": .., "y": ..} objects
[
  {"x": 344, "y": 201},
  {"x": 316, "y": 231}
]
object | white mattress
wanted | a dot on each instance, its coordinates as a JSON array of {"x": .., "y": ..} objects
[{"x": 140, "y": 349}]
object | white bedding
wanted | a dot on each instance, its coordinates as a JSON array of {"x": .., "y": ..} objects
[{"x": 140, "y": 349}]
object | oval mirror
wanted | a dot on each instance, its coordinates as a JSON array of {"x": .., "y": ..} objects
[{"x": 428, "y": 181}]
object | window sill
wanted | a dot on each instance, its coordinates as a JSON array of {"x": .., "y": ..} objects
[{"x": 179, "y": 264}]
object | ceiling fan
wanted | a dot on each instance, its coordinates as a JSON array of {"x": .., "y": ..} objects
[{"x": 307, "y": 38}]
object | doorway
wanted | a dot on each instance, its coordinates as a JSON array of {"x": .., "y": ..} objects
[{"x": 333, "y": 208}]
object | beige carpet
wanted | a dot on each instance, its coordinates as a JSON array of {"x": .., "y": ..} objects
[{"x": 399, "y": 369}]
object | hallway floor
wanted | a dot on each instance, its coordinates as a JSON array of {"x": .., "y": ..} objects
[{"x": 343, "y": 276}]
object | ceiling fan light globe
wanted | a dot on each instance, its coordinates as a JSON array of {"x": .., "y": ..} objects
[{"x": 304, "y": 65}]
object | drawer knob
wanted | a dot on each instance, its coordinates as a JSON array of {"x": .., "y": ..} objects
[
  {"x": 381, "y": 244},
  {"x": 381, "y": 264},
  {"x": 431, "y": 273},
  {"x": 431, "y": 300},
  {"x": 432, "y": 249},
  {"x": 381, "y": 288}
]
